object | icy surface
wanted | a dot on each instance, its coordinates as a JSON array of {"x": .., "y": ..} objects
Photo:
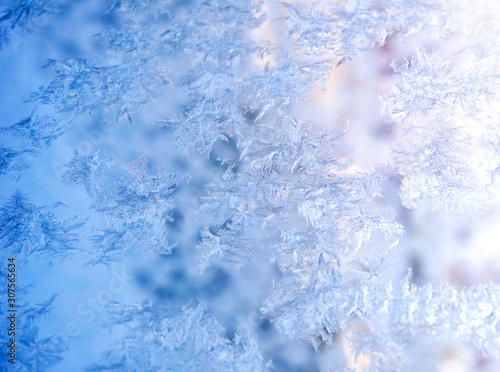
[{"x": 290, "y": 185}]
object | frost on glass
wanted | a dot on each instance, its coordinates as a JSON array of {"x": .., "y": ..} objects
[
  {"x": 344, "y": 30},
  {"x": 381, "y": 318},
  {"x": 12, "y": 162},
  {"x": 134, "y": 200},
  {"x": 178, "y": 339},
  {"x": 20, "y": 18},
  {"x": 33, "y": 135},
  {"x": 448, "y": 148},
  {"x": 30, "y": 233},
  {"x": 35, "y": 350},
  {"x": 275, "y": 189},
  {"x": 36, "y": 132},
  {"x": 328, "y": 204},
  {"x": 82, "y": 86},
  {"x": 28, "y": 230}
]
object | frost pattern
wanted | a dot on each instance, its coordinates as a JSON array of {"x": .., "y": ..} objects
[
  {"x": 444, "y": 114},
  {"x": 26, "y": 16},
  {"x": 180, "y": 339},
  {"x": 28, "y": 230},
  {"x": 81, "y": 86},
  {"x": 392, "y": 317},
  {"x": 28, "y": 233},
  {"x": 33, "y": 351},
  {"x": 12, "y": 162},
  {"x": 344, "y": 30},
  {"x": 36, "y": 132},
  {"x": 135, "y": 201},
  {"x": 296, "y": 195},
  {"x": 329, "y": 214}
]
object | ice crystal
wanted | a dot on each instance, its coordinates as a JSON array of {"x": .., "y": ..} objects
[
  {"x": 12, "y": 162},
  {"x": 135, "y": 201},
  {"x": 180, "y": 339},
  {"x": 28, "y": 230},
  {"x": 344, "y": 30},
  {"x": 81, "y": 86},
  {"x": 37, "y": 132},
  {"x": 34, "y": 351},
  {"x": 392, "y": 317},
  {"x": 26, "y": 16}
]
